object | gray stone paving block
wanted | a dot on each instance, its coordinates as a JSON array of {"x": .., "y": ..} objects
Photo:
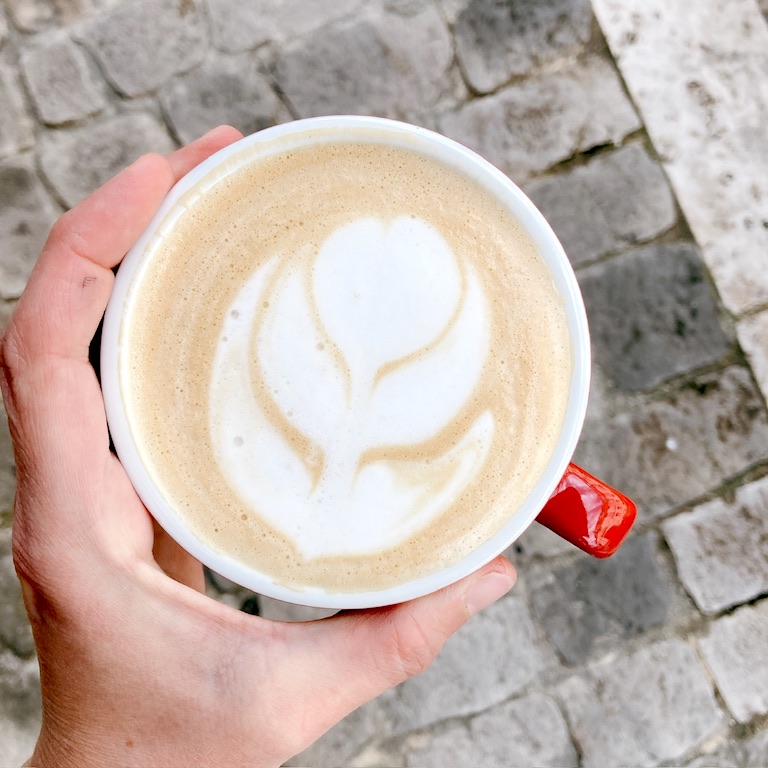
[
  {"x": 653, "y": 315},
  {"x": 618, "y": 199},
  {"x": 26, "y": 216},
  {"x": 589, "y": 601},
  {"x": 392, "y": 62},
  {"x": 72, "y": 11},
  {"x": 645, "y": 709},
  {"x": 30, "y": 15},
  {"x": 239, "y": 27},
  {"x": 78, "y": 160},
  {"x": 61, "y": 83},
  {"x": 15, "y": 632},
  {"x": 487, "y": 661},
  {"x": 20, "y": 715},
  {"x": 674, "y": 449},
  {"x": 224, "y": 90},
  {"x": 721, "y": 548},
  {"x": 543, "y": 120},
  {"x": 736, "y": 651},
  {"x": 497, "y": 41},
  {"x": 3, "y": 28},
  {"x": 524, "y": 732},
  {"x": 15, "y": 124},
  {"x": 141, "y": 43}
]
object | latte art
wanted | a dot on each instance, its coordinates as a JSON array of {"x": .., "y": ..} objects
[
  {"x": 344, "y": 365},
  {"x": 389, "y": 334}
]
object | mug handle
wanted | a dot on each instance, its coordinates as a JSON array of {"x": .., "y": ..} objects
[{"x": 588, "y": 513}]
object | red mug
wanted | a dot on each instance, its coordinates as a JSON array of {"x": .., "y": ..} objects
[{"x": 564, "y": 498}]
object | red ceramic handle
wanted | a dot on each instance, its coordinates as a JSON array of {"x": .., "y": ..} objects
[{"x": 588, "y": 513}]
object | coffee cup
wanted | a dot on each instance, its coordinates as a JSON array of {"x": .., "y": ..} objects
[{"x": 348, "y": 363}]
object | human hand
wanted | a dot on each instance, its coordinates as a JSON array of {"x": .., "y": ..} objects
[{"x": 138, "y": 667}]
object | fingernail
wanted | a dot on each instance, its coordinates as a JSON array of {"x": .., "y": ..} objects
[{"x": 488, "y": 589}]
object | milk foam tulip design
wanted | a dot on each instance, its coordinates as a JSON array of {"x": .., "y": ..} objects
[{"x": 340, "y": 379}]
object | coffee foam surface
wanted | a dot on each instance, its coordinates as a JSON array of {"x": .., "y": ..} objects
[{"x": 390, "y": 365}]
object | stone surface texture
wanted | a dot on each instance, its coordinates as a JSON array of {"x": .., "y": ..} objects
[
  {"x": 736, "y": 651},
  {"x": 498, "y": 41},
  {"x": 62, "y": 86},
  {"x": 26, "y": 214},
  {"x": 545, "y": 119},
  {"x": 701, "y": 88},
  {"x": 618, "y": 199},
  {"x": 643, "y": 709},
  {"x": 141, "y": 43},
  {"x": 390, "y": 60},
  {"x": 638, "y": 127},
  {"x": 721, "y": 548}
]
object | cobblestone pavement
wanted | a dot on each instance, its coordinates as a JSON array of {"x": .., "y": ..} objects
[{"x": 638, "y": 127}]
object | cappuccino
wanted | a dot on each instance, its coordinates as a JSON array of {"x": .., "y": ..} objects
[{"x": 344, "y": 365}]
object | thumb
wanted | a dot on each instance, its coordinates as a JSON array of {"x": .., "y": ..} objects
[{"x": 367, "y": 652}]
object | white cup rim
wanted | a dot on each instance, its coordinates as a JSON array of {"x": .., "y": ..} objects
[{"x": 436, "y": 146}]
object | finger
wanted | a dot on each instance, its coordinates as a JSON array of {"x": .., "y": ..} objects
[
  {"x": 372, "y": 651},
  {"x": 185, "y": 159}
]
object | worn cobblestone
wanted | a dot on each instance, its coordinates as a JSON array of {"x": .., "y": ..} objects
[
  {"x": 618, "y": 199},
  {"x": 271, "y": 20},
  {"x": 140, "y": 44},
  {"x": 702, "y": 91},
  {"x": 474, "y": 669},
  {"x": 20, "y": 714},
  {"x": 498, "y": 41},
  {"x": 653, "y": 315},
  {"x": 589, "y": 601},
  {"x": 647, "y": 708},
  {"x": 674, "y": 449},
  {"x": 721, "y": 548},
  {"x": 26, "y": 215},
  {"x": 60, "y": 81},
  {"x": 388, "y": 62},
  {"x": 15, "y": 124},
  {"x": 228, "y": 90},
  {"x": 78, "y": 160},
  {"x": 548, "y": 118},
  {"x": 736, "y": 651},
  {"x": 523, "y": 732}
]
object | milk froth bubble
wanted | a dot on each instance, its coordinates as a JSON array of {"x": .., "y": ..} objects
[{"x": 344, "y": 364}]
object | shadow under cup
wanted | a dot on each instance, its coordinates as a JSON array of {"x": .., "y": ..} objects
[{"x": 569, "y": 501}]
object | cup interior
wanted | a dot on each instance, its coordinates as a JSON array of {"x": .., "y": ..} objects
[{"x": 283, "y": 138}]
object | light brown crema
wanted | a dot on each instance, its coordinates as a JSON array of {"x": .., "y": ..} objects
[{"x": 278, "y": 206}]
